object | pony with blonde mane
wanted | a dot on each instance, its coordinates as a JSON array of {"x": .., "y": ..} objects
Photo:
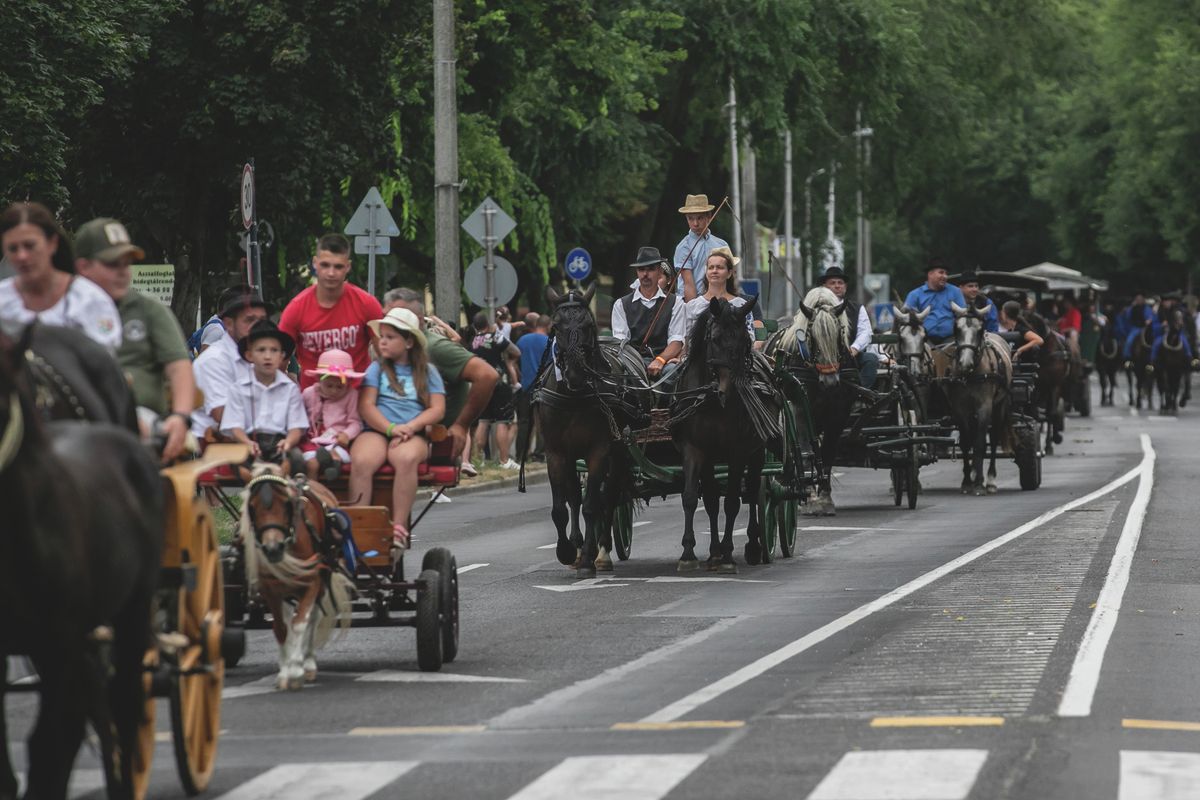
[{"x": 285, "y": 548}]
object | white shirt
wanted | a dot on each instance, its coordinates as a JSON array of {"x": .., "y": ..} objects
[
  {"x": 218, "y": 369},
  {"x": 256, "y": 408},
  {"x": 863, "y": 338},
  {"x": 697, "y": 306},
  {"x": 85, "y": 307},
  {"x": 676, "y": 330}
]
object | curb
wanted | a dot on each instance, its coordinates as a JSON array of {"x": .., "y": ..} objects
[{"x": 533, "y": 477}]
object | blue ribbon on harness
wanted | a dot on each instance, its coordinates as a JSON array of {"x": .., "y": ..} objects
[{"x": 350, "y": 549}]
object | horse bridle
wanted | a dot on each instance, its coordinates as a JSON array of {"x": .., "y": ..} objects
[
  {"x": 14, "y": 431},
  {"x": 292, "y": 498}
]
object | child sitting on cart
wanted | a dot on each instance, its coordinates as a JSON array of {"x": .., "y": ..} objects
[
  {"x": 401, "y": 394},
  {"x": 333, "y": 420},
  {"x": 265, "y": 409}
]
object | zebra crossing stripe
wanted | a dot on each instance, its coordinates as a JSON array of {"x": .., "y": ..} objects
[
  {"x": 892, "y": 774},
  {"x": 1158, "y": 775},
  {"x": 628, "y": 777},
  {"x": 345, "y": 781}
]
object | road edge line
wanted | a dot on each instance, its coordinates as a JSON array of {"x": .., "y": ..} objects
[
  {"x": 1084, "y": 678},
  {"x": 755, "y": 668}
]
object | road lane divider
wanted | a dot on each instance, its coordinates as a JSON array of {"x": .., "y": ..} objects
[
  {"x": 706, "y": 694},
  {"x": 417, "y": 730},
  {"x": 1160, "y": 725},
  {"x": 1089, "y": 659},
  {"x": 681, "y": 725}
]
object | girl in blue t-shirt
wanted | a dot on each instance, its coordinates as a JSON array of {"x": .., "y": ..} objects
[{"x": 401, "y": 394}]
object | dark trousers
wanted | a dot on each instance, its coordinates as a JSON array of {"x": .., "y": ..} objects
[{"x": 868, "y": 368}]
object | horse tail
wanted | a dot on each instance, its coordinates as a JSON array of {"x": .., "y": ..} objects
[{"x": 335, "y": 617}]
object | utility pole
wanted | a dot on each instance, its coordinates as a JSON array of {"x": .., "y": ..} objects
[
  {"x": 809, "y": 254},
  {"x": 750, "y": 265},
  {"x": 447, "y": 261},
  {"x": 735, "y": 174},
  {"x": 831, "y": 205},
  {"x": 862, "y": 137},
  {"x": 788, "y": 260}
]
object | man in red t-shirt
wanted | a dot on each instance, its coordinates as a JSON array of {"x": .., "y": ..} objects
[{"x": 331, "y": 313}]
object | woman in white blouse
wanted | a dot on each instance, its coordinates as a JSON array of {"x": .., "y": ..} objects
[
  {"x": 721, "y": 278},
  {"x": 45, "y": 286}
]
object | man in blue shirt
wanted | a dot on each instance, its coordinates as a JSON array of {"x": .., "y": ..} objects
[
  {"x": 532, "y": 346},
  {"x": 968, "y": 284},
  {"x": 691, "y": 254},
  {"x": 1132, "y": 319},
  {"x": 936, "y": 294}
]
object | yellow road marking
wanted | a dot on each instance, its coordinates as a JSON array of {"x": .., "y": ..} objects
[
  {"x": 935, "y": 722},
  {"x": 418, "y": 730},
  {"x": 685, "y": 725},
  {"x": 1160, "y": 725}
]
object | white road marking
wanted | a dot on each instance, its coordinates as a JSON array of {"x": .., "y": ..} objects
[
  {"x": 902, "y": 775},
  {"x": 629, "y": 777},
  {"x": 1162, "y": 419},
  {"x": 345, "y": 781},
  {"x": 550, "y": 546},
  {"x": 752, "y": 670},
  {"x": 81, "y": 782},
  {"x": 264, "y": 685},
  {"x": 579, "y": 586},
  {"x": 470, "y": 567},
  {"x": 640, "y": 523},
  {"x": 843, "y": 528},
  {"x": 601, "y": 583},
  {"x": 399, "y": 676},
  {"x": 560, "y": 698},
  {"x": 1157, "y": 775},
  {"x": 1089, "y": 659}
]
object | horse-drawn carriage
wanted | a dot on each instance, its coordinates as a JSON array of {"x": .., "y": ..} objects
[{"x": 428, "y": 602}]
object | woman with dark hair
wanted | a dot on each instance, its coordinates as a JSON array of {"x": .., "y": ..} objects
[
  {"x": 45, "y": 286},
  {"x": 1013, "y": 319}
]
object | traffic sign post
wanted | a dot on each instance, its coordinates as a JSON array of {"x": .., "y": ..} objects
[
  {"x": 250, "y": 223},
  {"x": 488, "y": 224},
  {"x": 372, "y": 227},
  {"x": 578, "y": 264}
]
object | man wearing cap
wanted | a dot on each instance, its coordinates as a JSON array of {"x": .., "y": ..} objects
[
  {"x": 937, "y": 295},
  {"x": 221, "y": 367},
  {"x": 691, "y": 254},
  {"x": 152, "y": 354},
  {"x": 968, "y": 284},
  {"x": 651, "y": 320},
  {"x": 330, "y": 313},
  {"x": 860, "y": 328}
]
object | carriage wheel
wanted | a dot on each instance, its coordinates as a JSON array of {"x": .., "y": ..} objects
[
  {"x": 429, "y": 623},
  {"x": 898, "y": 484},
  {"x": 1029, "y": 463},
  {"x": 622, "y": 529},
  {"x": 143, "y": 755},
  {"x": 443, "y": 562},
  {"x": 768, "y": 513},
  {"x": 913, "y": 476},
  {"x": 195, "y": 689},
  {"x": 788, "y": 509}
]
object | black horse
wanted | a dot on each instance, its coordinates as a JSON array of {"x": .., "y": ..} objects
[
  {"x": 584, "y": 399},
  {"x": 978, "y": 392},
  {"x": 828, "y": 376},
  {"x": 1172, "y": 363},
  {"x": 1109, "y": 361},
  {"x": 1141, "y": 368},
  {"x": 724, "y": 410},
  {"x": 79, "y": 561}
]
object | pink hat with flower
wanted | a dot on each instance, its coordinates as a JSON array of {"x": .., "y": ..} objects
[{"x": 335, "y": 362}]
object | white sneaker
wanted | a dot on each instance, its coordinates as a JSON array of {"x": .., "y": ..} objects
[
  {"x": 442, "y": 498},
  {"x": 510, "y": 464},
  {"x": 468, "y": 469}
]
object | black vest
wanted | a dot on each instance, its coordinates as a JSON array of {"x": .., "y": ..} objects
[
  {"x": 852, "y": 315},
  {"x": 639, "y": 317}
]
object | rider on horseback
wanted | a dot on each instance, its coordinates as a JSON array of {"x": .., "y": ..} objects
[
  {"x": 1011, "y": 319},
  {"x": 1130, "y": 322},
  {"x": 938, "y": 296},
  {"x": 860, "y": 328},
  {"x": 651, "y": 320}
]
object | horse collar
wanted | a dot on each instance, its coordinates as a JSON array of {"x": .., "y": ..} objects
[{"x": 14, "y": 432}]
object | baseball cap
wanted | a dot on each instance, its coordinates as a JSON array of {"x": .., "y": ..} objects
[{"x": 105, "y": 239}]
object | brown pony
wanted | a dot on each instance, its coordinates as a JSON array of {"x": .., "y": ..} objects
[{"x": 288, "y": 551}]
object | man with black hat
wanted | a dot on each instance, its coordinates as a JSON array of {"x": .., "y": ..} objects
[
  {"x": 937, "y": 295},
  {"x": 220, "y": 367},
  {"x": 648, "y": 318},
  {"x": 860, "y": 328},
  {"x": 153, "y": 354},
  {"x": 968, "y": 284}
]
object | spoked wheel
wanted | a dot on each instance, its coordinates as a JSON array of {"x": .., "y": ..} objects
[
  {"x": 443, "y": 562},
  {"x": 622, "y": 529},
  {"x": 195, "y": 688},
  {"x": 143, "y": 755},
  {"x": 429, "y": 624},
  {"x": 768, "y": 513},
  {"x": 788, "y": 509},
  {"x": 898, "y": 485},
  {"x": 913, "y": 476}
]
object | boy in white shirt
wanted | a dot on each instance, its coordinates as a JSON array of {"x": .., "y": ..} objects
[{"x": 265, "y": 410}]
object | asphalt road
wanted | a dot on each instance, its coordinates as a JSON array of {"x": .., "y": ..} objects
[{"x": 1022, "y": 645}]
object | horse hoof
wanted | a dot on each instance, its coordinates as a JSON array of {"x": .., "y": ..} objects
[
  {"x": 578, "y": 562},
  {"x": 991, "y": 488},
  {"x": 727, "y": 569},
  {"x": 966, "y": 489},
  {"x": 310, "y": 675},
  {"x": 713, "y": 564},
  {"x": 604, "y": 566},
  {"x": 687, "y": 565},
  {"x": 585, "y": 572},
  {"x": 979, "y": 491},
  {"x": 753, "y": 553},
  {"x": 565, "y": 552}
]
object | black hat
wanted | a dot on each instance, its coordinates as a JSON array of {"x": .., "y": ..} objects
[
  {"x": 969, "y": 276},
  {"x": 832, "y": 272},
  {"x": 647, "y": 257},
  {"x": 235, "y": 298},
  {"x": 935, "y": 263},
  {"x": 266, "y": 329}
]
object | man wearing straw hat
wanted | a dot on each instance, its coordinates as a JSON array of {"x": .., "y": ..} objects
[
  {"x": 692, "y": 251},
  {"x": 648, "y": 318}
]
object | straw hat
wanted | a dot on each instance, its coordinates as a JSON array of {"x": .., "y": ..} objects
[
  {"x": 402, "y": 320},
  {"x": 724, "y": 251},
  {"x": 337, "y": 363},
  {"x": 696, "y": 204}
]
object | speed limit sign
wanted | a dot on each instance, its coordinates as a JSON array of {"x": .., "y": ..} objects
[{"x": 247, "y": 196}]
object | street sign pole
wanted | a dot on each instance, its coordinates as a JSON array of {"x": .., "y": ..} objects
[
  {"x": 371, "y": 253},
  {"x": 249, "y": 207},
  {"x": 489, "y": 242}
]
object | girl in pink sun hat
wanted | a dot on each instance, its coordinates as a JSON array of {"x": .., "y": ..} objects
[{"x": 332, "y": 406}]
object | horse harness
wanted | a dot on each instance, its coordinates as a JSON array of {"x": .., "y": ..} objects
[
  {"x": 296, "y": 498},
  {"x": 51, "y": 389}
]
